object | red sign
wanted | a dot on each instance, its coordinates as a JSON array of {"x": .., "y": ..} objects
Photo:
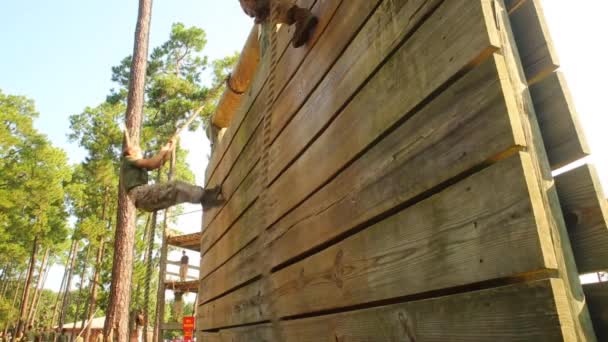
[
  {"x": 188, "y": 323},
  {"x": 188, "y": 327}
]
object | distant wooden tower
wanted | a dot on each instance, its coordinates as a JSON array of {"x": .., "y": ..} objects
[{"x": 392, "y": 181}]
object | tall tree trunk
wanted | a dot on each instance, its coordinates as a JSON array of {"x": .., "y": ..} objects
[
  {"x": 82, "y": 276},
  {"x": 26, "y": 289},
  {"x": 148, "y": 263},
  {"x": 68, "y": 285},
  {"x": 117, "y": 315},
  {"x": 61, "y": 288},
  {"x": 15, "y": 295},
  {"x": 93, "y": 298},
  {"x": 37, "y": 289},
  {"x": 37, "y": 303},
  {"x": 160, "y": 297},
  {"x": 7, "y": 279}
]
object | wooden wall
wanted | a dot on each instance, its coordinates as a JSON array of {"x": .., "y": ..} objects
[{"x": 391, "y": 181}]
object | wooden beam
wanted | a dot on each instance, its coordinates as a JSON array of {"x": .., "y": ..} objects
[
  {"x": 177, "y": 275},
  {"x": 208, "y": 337},
  {"x": 239, "y": 81},
  {"x": 188, "y": 241},
  {"x": 530, "y": 31},
  {"x": 178, "y": 263},
  {"x": 559, "y": 123},
  {"x": 521, "y": 101},
  {"x": 182, "y": 286},
  {"x": 535, "y": 311},
  {"x": 597, "y": 297},
  {"x": 586, "y": 212}
]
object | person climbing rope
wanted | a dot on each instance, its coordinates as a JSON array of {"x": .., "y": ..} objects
[
  {"x": 287, "y": 13},
  {"x": 152, "y": 197}
]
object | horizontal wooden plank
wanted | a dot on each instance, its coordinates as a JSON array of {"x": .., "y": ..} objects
[
  {"x": 532, "y": 311},
  {"x": 597, "y": 300},
  {"x": 586, "y": 213},
  {"x": 536, "y": 50},
  {"x": 242, "y": 167},
  {"x": 349, "y": 19},
  {"x": 247, "y": 304},
  {"x": 464, "y": 234},
  {"x": 258, "y": 86},
  {"x": 236, "y": 271},
  {"x": 244, "y": 197},
  {"x": 208, "y": 337},
  {"x": 452, "y": 39},
  {"x": 440, "y": 142},
  {"x": 188, "y": 241},
  {"x": 559, "y": 123},
  {"x": 244, "y": 230},
  {"x": 296, "y": 126}
]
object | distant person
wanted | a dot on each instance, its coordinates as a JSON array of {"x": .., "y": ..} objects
[
  {"x": 287, "y": 13},
  {"x": 152, "y": 197},
  {"x": 64, "y": 336},
  {"x": 183, "y": 267}
]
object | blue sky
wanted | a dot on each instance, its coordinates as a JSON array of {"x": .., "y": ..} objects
[{"x": 60, "y": 52}]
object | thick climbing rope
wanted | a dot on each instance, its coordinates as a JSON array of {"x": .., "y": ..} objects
[{"x": 265, "y": 197}]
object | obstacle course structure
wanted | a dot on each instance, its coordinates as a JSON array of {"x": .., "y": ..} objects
[{"x": 392, "y": 181}]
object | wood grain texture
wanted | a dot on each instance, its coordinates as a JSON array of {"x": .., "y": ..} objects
[
  {"x": 558, "y": 120},
  {"x": 586, "y": 212},
  {"x": 538, "y": 55},
  {"x": 436, "y": 144},
  {"x": 348, "y": 21},
  {"x": 239, "y": 269},
  {"x": 244, "y": 230},
  {"x": 464, "y": 234},
  {"x": 242, "y": 167},
  {"x": 245, "y": 305},
  {"x": 383, "y": 32},
  {"x": 597, "y": 297},
  {"x": 243, "y": 199},
  {"x": 485, "y": 315},
  {"x": 208, "y": 337},
  {"x": 452, "y": 39}
]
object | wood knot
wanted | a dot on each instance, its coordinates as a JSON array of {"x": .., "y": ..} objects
[
  {"x": 338, "y": 273},
  {"x": 407, "y": 325}
]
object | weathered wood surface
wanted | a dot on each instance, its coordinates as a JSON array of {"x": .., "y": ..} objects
[
  {"x": 538, "y": 55},
  {"x": 244, "y": 165},
  {"x": 452, "y": 39},
  {"x": 515, "y": 77},
  {"x": 209, "y": 337},
  {"x": 486, "y": 315},
  {"x": 462, "y": 235},
  {"x": 465, "y": 234},
  {"x": 236, "y": 271},
  {"x": 361, "y": 192},
  {"x": 383, "y": 32},
  {"x": 239, "y": 81},
  {"x": 258, "y": 86},
  {"x": 559, "y": 122},
  {"x": 247, "y": 304},
  {"x": 244, "y": 230},
  {"x": 597, "y": 297},
  {"x": 586, "y": 212},
  {"x": 348, "y": 21},
  {"x": 436, "y": 144},
  {"x": 188, "y": 241}
]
